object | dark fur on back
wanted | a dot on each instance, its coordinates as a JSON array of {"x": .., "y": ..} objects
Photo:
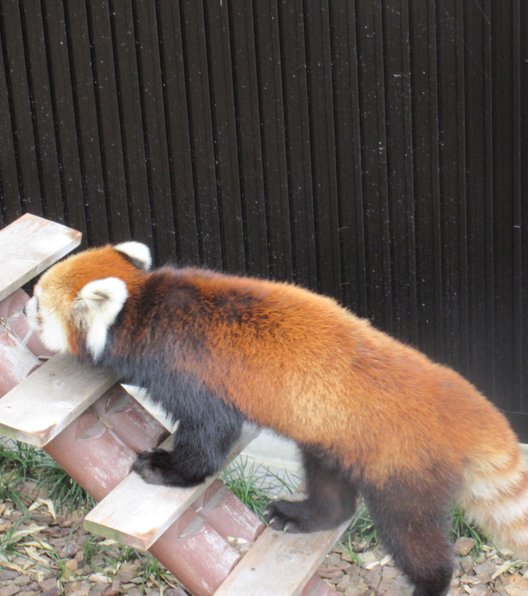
[{"x": 208, "y": 425}]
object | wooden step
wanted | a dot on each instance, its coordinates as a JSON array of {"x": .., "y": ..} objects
[
  {"x": 43, "y": 404},
  {"x": 136, "y": 513},
  {"x": 29, "y": 246},
  {"x": 280, "y": 564}
]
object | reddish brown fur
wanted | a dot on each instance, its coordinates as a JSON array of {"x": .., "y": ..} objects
[
  {"x": 299, "y": 363},
  {"x": 322, "y": 376}
]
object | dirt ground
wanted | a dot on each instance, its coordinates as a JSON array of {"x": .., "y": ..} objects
[{"x": 46, "y": 553}]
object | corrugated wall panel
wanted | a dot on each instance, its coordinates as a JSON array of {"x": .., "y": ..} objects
[{"x": 372, "y": 150}]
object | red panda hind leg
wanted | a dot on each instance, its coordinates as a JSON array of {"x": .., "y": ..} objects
[
  {"x": 413, "y": 521},
  {"x": 332, "y": 498}
]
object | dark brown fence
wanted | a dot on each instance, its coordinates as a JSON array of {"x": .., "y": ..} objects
[{"x": 374, "y": 150}]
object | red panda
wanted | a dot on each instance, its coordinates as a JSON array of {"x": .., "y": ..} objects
[{"x": 372, "y": 417}]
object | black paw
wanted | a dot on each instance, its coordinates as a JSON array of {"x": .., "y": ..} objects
[
  {"x": 158, "y": 467},
  {"x": 153, "y": 466},
  {"x": 290, "y": 516}
]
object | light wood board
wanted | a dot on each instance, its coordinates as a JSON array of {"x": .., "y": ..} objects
[
  {"x": 136, "y": 513},
  {"x": 280, "y": 564},
  {"x": 44, "y": 403},
  {"x": 30, "y": 245}
]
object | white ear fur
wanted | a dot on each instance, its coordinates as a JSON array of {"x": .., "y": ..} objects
[
  {"x": 138, "y": 252},
  {"x": 96, "y": 308}
]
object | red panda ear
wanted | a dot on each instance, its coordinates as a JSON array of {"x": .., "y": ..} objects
[
  {"x": 137, "y": 252},
  {"x": 96, "y": 307}
]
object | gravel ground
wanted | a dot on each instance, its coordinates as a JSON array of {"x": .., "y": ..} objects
[
  {"x": 487, "y": 573},
  {"x": 45, "y": 553}
]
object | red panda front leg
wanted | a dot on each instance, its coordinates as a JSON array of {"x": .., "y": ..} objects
[
  {"x": 199, "y": 451},
  {"x": 331, "y": 498}
]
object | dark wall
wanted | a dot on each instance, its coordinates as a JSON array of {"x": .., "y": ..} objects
[{"x": 372, "y": 150}]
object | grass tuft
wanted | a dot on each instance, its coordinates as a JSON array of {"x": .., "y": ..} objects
[
  {"x": 361, "y": 535},
  {"x": 254, "y": 484},
  {"x": 461, "y": 527},
  {"x": 20, "y": 463}
]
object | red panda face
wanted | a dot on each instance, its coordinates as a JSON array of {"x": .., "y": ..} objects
[{"x": 77, "y": 300}]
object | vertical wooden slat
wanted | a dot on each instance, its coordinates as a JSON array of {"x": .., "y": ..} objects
[
  {"x": 62, "y": 99},
  {"x": 374, "y": 147},
  {"x": 517, "y": 197},
  {"x": 523, "y": 127},
  {"x": 399, "y": 155},
  {"x": 503, "y": 216},
  {"x": 130, "y": 118},
  {"x": 273, "y": 138},
  {"x": 225, "y": 142},
  {"x": 249, "y": 137},
  {"x": 427, "y": 192},
  {"x": 462, "y": 191},
  {"x": 18, "y": 85},
  {"x": 154, "y": 129},
  {"x": 43, "y": 113},
  {"x": 488, "y": 175},
  {"x": 298, "y": 147},
  {"x": 451, "y": 118},
  {"x": 201, "y": 132},
  {"x": 10, "y": 192},
  {"x": 87, "y": 122},
  {"x": 322, "y": 133},
  {"x": 349, "y": 164},
  {"x": 178, "y": 133},
  {"x": 478, "y": 194},
  {"x": 108, "y": 116}
]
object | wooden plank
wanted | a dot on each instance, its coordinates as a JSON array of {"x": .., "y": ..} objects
[
  {"x": 298, "y": 557},
  {"x": 42, "y": 405},
  {"x": 28, "y": 246},
  {"x": 136, "y": 513}
]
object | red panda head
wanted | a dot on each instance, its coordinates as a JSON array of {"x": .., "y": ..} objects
[{"x": 78, "y": 299}]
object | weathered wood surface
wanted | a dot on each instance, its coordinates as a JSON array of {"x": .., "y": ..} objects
[
  {"x": 136, "y": 513},
  {"x": 30, "y": 245},
  {"x": 16, "y": 361},
  {"x": 279, "y": 564},
  {"x": 43, "y": 404}
]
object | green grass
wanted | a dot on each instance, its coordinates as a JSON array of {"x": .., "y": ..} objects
[
  {"x": 254, "y": 484},
  {"x": 461, "y": 527},
  {"x": 361, "y": 535},
  {"x": 20, "y": 463},
  {"x": 10, "y": 538}
]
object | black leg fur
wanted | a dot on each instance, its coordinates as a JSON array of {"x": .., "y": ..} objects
[
  {"x": 331, "y": 499},
  {"x": 414, "y": 527},
  {"x": 199, "y": 451}
]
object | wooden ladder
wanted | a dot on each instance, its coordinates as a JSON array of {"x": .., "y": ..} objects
[{"x": 94, "y": 428}]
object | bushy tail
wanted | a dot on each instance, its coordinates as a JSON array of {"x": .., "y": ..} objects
[{"x": 495, "y": 496}]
